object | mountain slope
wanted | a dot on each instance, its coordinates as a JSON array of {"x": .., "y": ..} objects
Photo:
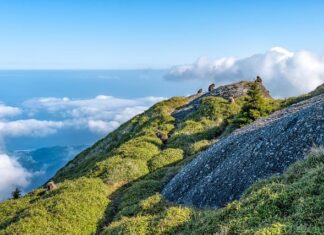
[
  {"x": 114, "y": 186},
  {"x": 292, "y": 203},
  {"x": 264, "y": 148}
]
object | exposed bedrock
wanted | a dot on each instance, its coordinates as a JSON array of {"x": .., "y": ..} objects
[{"x": 267, "y": 147}]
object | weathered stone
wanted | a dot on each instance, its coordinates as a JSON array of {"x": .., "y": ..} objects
[
  {"x": 231, "y": 100},
  {"x": 258, "y": 79},
  {"x": 51, "y": 186},
  {"x": 162, "y": 136},
  {"x": 267, "y": 147},
  {"x": 211, "y": 87}
]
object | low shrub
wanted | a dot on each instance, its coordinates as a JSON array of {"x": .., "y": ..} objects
[
  {"x": 166, "y": 157},
  {"x": 116, "y": 169}
]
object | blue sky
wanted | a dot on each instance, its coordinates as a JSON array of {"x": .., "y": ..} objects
[{"x": 124, "y": 34}]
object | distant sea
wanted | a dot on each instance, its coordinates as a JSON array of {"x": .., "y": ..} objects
[{"x": 19, "y": 85}]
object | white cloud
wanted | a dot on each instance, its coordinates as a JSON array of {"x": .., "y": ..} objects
[
  {"x": 284, "y": 73},
  {"x": 8, "y": 111},
  {"x": 102, "y": 127},
  {"x": 101, "y": 114},
  {"x": 12, "y": 175},
  {"x": 29, "y": 127}
]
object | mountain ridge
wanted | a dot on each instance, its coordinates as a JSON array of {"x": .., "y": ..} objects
[{"x": 114, "y": 186}]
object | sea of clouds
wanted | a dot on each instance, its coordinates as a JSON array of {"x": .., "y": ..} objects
[{"x": 101, "y": 114}]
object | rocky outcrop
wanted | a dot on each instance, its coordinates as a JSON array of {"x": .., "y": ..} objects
[
  {"x": 267, "y": 147},
  {"x": 227, "y": 92}
]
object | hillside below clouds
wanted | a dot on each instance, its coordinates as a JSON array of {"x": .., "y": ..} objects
[{"x": 253, "y": 164}]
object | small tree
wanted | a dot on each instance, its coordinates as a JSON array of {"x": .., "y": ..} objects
[
  {"x": 16, "y": 193},
  {"x": 256, "y": 105}
]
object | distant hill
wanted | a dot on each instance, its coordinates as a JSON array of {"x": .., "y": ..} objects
[{"x": 116, "y": 185}]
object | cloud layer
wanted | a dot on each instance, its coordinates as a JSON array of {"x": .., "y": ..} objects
[
  {"x": 41, "y": 117},
  {"x": 12, "y": 175},
  {"x": 8, "y": 111},
  {"x": 46, "y": 116},
  {"x": 101, "y": 114},
  {"x": 284, "y": 73},
  {"x": 29, "y": 127}
]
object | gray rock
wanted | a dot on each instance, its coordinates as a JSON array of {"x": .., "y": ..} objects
[{"x": 267, "y": 147}]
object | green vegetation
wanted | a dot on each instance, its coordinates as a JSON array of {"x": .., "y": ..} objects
[
  {"x": 255, "y": 106},
  {"x": 206, "y": 123},
  {"x": 114, "y": 186},
  {"x": 289, "y": 204},
  {"x": 76, "y": 207},
  {"x": 166, "y": 157},
  {"x": 16, "y": 193}
]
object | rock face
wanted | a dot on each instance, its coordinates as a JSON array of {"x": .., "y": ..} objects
[
  {"x": 267, "y": 147},
  {"x": 227, "y": 92}
]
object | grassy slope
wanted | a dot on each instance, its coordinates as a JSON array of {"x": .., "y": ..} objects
[
  {"x": 75, "y": 208},
  {"x": 131, "y": 170},
  {"x": 289, "y": 204}
]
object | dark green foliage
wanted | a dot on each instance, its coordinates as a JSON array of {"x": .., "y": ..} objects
[
  {"x": 255, "y": 105},
  {"x": 16, "y": 193}
]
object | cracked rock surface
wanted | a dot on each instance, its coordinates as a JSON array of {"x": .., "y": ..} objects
[{"x": 266, "y": 147}]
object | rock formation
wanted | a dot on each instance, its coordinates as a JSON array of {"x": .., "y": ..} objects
[
  {"x": 162, "y": 136},
  {"x": 211, "y": 87},
  {"x": 227, "y": 92},
  {"x": 265, "y": 148},
  {"x": 51, "y": 186}
]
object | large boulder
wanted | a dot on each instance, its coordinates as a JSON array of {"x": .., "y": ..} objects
[{"x": 265, "y": 148}]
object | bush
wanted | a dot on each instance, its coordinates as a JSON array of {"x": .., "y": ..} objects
[
  {"x": 118, "y": 169},
  {"x": 138, "y": 148},
  {"x": 166, "y": 157},
  {"x": 255, "y": 105}
]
